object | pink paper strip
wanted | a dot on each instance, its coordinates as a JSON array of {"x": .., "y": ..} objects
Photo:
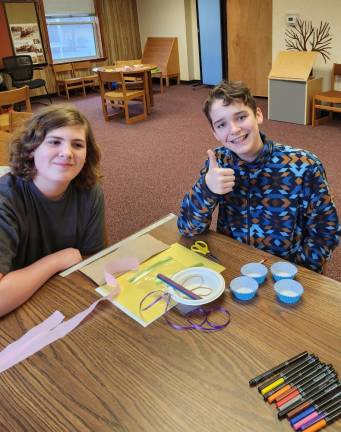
[
  {"x": 118, "y": 266},
  {"x": 53, "y": 328}
]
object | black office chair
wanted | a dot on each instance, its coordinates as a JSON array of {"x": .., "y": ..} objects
[{"x": 20, "y": 69}]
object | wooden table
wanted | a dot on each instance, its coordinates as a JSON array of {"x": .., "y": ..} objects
[
  {"x": 143, "y": 71},
  {"x": 111, "y": 374}
]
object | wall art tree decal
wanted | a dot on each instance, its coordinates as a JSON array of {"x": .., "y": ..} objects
[{"x": 303, "y": 33}]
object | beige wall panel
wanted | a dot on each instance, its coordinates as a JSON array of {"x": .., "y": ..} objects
[
  {"x": 249, "y": 33},
  {"x": 315, "y": 11},
  {"x": 176, "y": 18},
  {"x": 23, "y": 13}
]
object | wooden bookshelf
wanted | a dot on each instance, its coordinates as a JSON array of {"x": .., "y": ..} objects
[{"x": 164, "y": 52}]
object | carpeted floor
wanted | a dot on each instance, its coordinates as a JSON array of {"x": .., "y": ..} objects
[{"x": 149, "y": 166}]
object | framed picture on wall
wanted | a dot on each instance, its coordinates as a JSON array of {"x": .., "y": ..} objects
[
  {"x": 24, "y": 31},
  {"x": 26, "y": 40}
]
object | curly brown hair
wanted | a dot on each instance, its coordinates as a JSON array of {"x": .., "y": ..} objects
[
  {"x": 33, "y": 133},
  {"x": 229, "y": 92}
]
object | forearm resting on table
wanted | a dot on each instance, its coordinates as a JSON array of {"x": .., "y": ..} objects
[{"x": 18, "y": 286}]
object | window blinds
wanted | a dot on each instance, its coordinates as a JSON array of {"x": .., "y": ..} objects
[{"x": 68, "y": 7}]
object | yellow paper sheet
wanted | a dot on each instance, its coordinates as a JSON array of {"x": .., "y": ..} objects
[{"x": 135, "y": 285}]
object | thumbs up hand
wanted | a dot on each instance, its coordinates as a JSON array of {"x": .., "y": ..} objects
[{"x": 218, "y": 180}]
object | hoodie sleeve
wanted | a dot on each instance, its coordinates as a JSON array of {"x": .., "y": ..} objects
[
  {"x": 322, "y": 229},
  {"x": 197, "y": 207}
]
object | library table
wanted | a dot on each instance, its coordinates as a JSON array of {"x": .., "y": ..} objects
[
  {"x": 111, "y": 374},
  {"x": 143, "y": 70}
]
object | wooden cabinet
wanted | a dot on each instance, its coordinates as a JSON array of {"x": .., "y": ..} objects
[
  {"x": 249, "y": 33},
  {"x": 163, "y": 52}
]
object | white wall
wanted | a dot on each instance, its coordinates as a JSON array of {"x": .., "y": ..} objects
[
  {"x": 163, "y": 18},
  {"x": 315, "y": 11}
]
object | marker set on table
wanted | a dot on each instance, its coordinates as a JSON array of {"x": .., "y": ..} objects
[{"x": 304, "y": 390}]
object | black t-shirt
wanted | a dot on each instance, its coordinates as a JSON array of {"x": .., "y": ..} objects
[{"x": 32, "y": 226}]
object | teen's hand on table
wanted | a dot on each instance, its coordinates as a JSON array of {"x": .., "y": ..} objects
[
  {"x": 218, "y": 180},
  {"x": 67, "y": 258}
]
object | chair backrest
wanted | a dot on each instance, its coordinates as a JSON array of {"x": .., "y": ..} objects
[
  {"x": 10, "y": 97},
  {"x": 18, "y": 118},
  {"x": 80, "y": 66},
  {"x": 64, "y": 70},
  {"x": 110, "y": 77},
  {"x": 5, "y": 139},
  {"x": 335, "y": 72},
  {"x": 20, "y": 67},
  {"x": 83, "y": 70}
]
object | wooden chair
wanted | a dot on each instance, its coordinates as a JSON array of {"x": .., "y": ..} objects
[
  {"x": 9, "y": 118},
  {"x": 83, "y": 71},
  {"x": 131, "y": 81},
  {"x": 330, "y": 97},
  {"x": 5, "y": 139},
  {"x": 66, "y": 80},
  {"x": 120, "y": 97},
  {"x": 16, "y": 119},
  {"x": 155, "y": 73}
]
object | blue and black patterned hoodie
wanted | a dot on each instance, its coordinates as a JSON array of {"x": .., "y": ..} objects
[{"x": 280, "y": 204}]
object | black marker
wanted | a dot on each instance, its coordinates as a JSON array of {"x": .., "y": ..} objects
[
  {"x": 283, "y": 378},
  {"x": 304, "y": 395},
  {"x": 306, "y": 382},
  {"x": 293, "y": 410},
  {"x": 275, "y": 369},
  {"x": 335, "y": 398},
  {"x": 308, "y": 375},
  {"x": 316, "y": 401},
  {"x": 286, "y": 370}
]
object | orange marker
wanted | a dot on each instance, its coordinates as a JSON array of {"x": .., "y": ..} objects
[
  {"x": 307, "y": 384},
  {"x": 286, "y": 389}
]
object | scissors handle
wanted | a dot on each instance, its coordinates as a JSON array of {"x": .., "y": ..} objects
[
  {"x": 201, "y": 244},
  {"x": 200, "y": 247}
]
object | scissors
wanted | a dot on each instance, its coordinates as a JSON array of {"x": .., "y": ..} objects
[{"x": 202, "y": 247}]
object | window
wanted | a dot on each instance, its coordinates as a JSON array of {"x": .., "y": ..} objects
[{"x": 73, "y": 37}]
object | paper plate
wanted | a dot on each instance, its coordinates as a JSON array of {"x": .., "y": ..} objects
[{"x": 193, "y": 277}]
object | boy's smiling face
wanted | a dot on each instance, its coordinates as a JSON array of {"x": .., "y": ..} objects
[{"x": 235, "y": 126}]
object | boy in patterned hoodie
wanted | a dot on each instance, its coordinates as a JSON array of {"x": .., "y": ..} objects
[{"x": 270, "y": 196}]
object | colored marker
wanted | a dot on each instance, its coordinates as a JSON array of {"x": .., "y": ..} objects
[
  {"x": 286, "y": 370},
  {"x": 305, "y": 395},
  {"x": 303, "y": 383},
  {"x": 293, "y": 368},
  {"x": 278, "y": 391},
  {"x": 287, "y": 378},
  {"x": 294, "y": 410},
  {"x": 295, "y": 376},
  {"x": 317, "y": 415},
  {"x": 299, "y": 395},
  {"x": 312, "y": 400},
  {"x": 275, "y": 369},
  {"x": 283, "y": 377},
  {"x": 317, "y": 406},
  {"x": 324, "y": 422},
  {"x": 178, "y": 287}
]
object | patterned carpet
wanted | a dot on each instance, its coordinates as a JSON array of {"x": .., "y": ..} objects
[{"x": 149, "y": 166}]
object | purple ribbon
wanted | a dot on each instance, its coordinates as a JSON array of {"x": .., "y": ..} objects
[{"x": 205, "y": 325}]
